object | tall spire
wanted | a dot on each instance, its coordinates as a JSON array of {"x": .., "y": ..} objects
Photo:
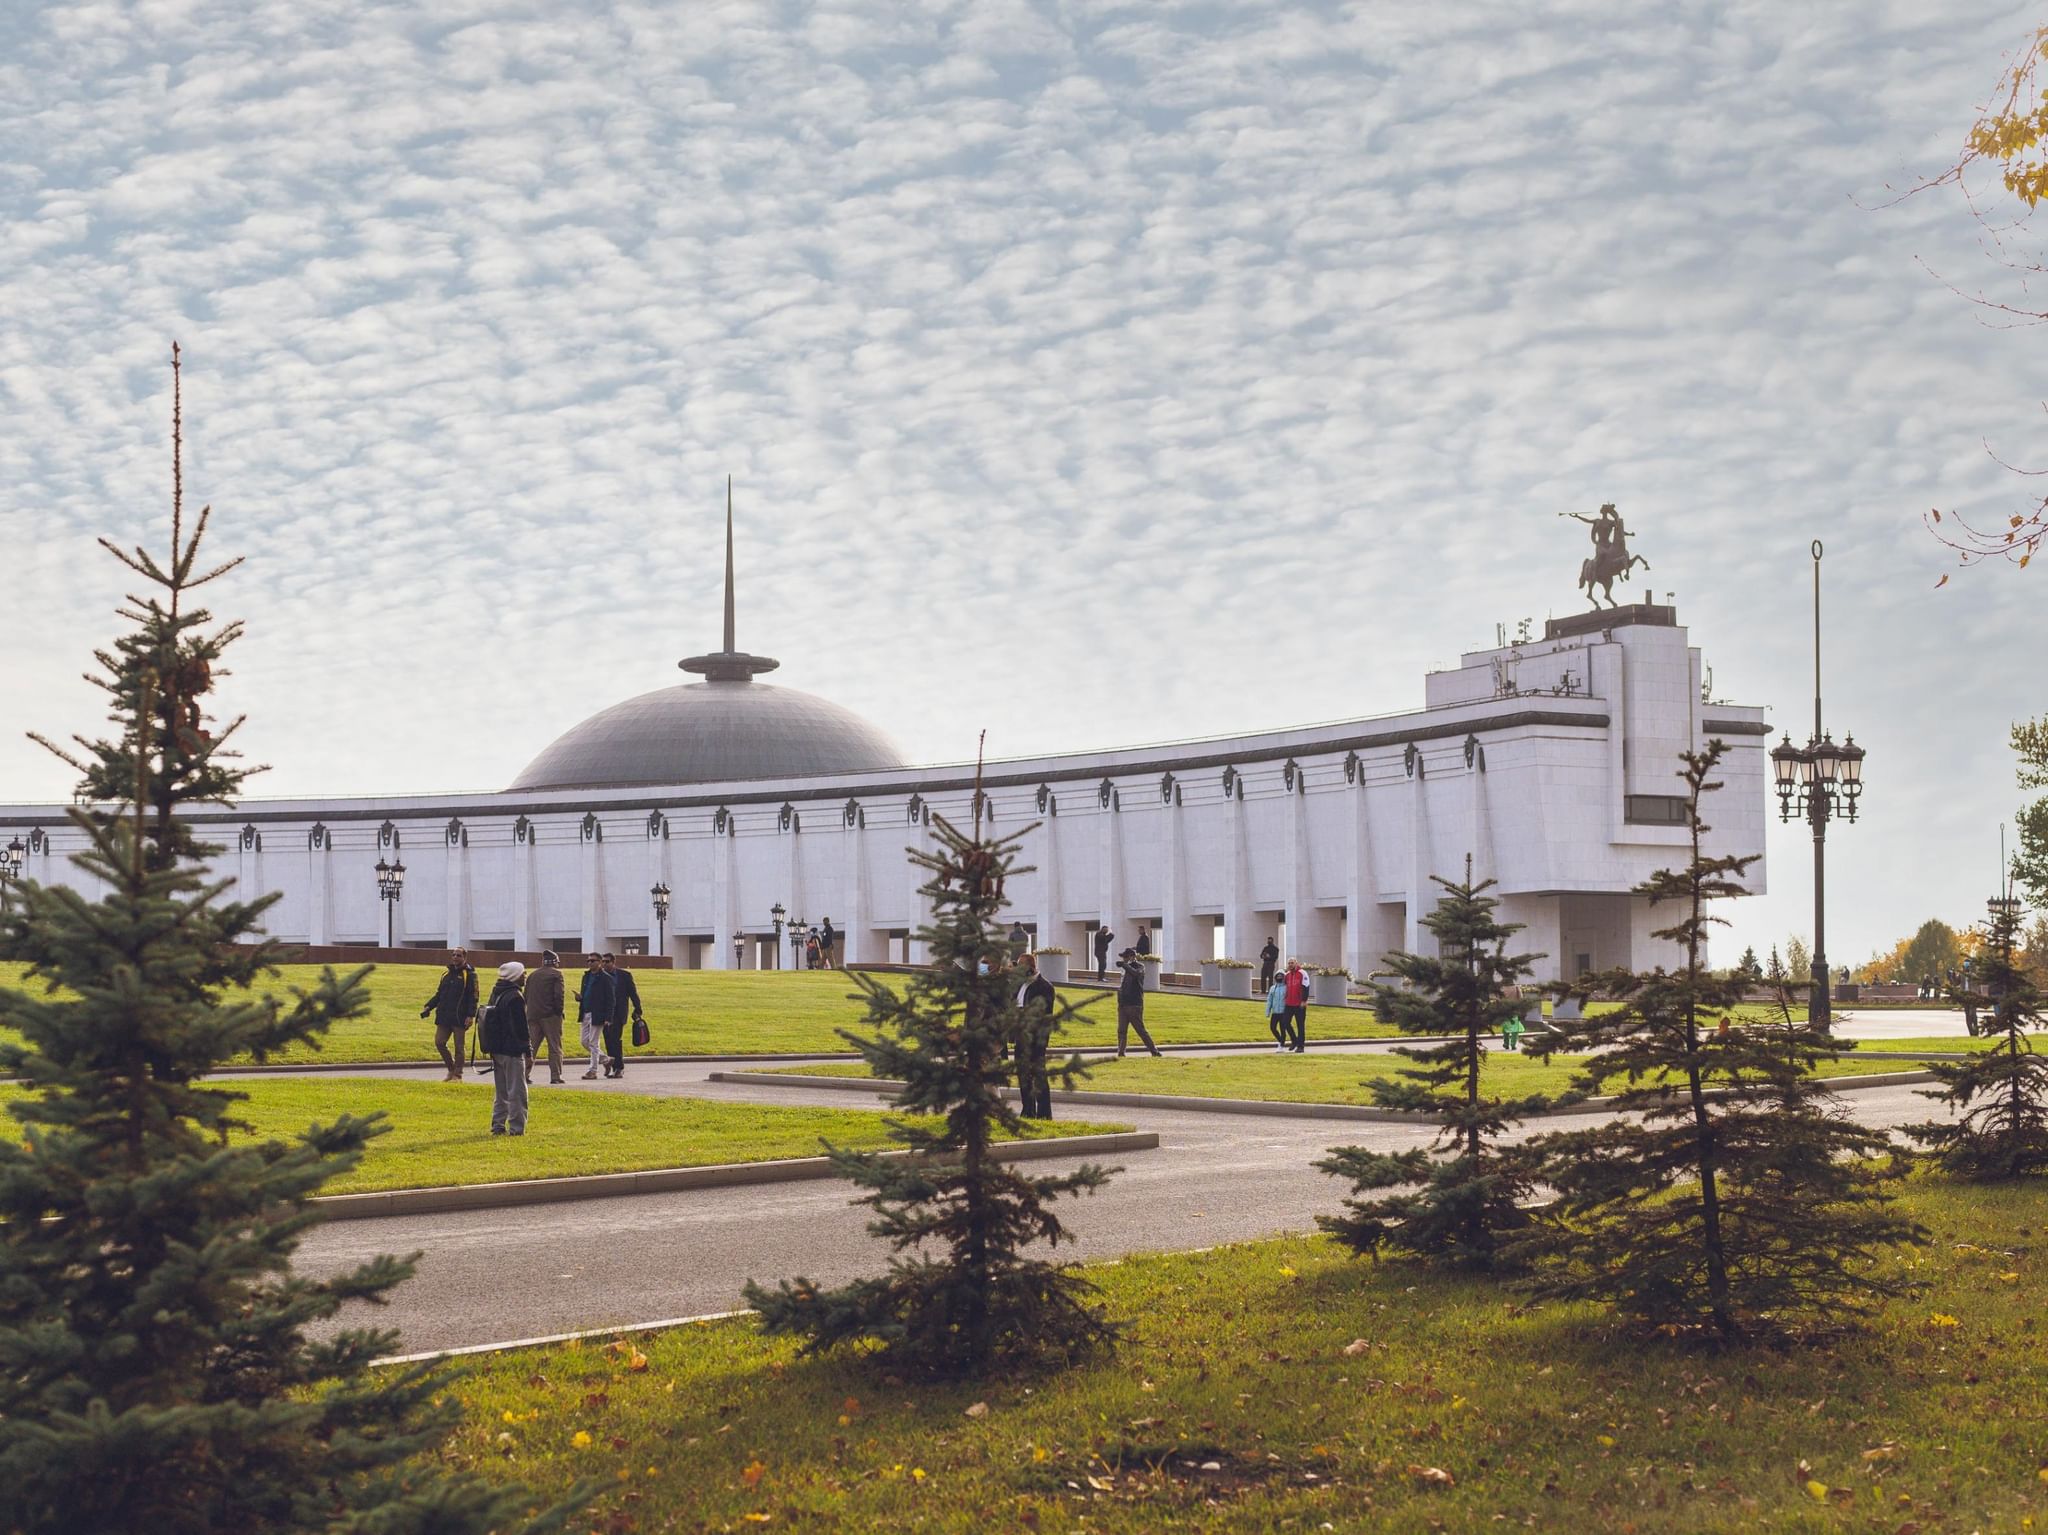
[
  {"x": 729, "y": 664},
  {"x": 728, "y": 565}
]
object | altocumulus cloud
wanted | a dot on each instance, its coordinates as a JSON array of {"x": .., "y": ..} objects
[{"x": 1091, "y": 372}]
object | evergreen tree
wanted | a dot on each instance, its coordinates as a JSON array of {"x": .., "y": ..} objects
[
  {"x": 960, "y": 1297},
  {"x": 1456, "y": 1200},
  {"x": 155, "y": 1369},
  {"x": 2001, "y": 1094},
  {"x": 1732, "y": 1198},
  {"x": 1798, "y": 962},
  {"x": 1749, "y": 969}
]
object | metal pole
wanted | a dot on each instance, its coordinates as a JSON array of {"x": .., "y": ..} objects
[
  {"x": 388, "y": 915},
  {"x": 1817, "y": 1010}
]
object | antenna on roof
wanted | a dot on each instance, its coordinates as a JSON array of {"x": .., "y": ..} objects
[
  {"x": 729, "y": 664},
  {"x": 728, "y": 565}
]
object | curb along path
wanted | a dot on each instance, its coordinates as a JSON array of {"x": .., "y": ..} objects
[
  {"x": 666, "y": 1180},
  {"x": 1280, "y": 1108}
]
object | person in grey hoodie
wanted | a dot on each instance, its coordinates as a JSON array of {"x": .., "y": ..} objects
[{"x": 503, "y": 1031}]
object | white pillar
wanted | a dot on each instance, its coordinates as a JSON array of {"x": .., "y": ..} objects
[
  {"x": 723, "y": 891},
  {"x": 455, "y": 886},
  {"x": 522, "y": 885},
  {"x": 1049, "y": 903},
  {"x": 860, "y": 941},
  {"x": 594, "y": 935},
  {"x": 920, "y": 816},
  {"x": 1419, "y": 885},
  {"x": 1179, "y": 948},
  {"x": 1480, "y": 812},
  {"x": 1301, "y": 896},
  {"x": 1110, "y": 864},
  {"x": 789, "y": 826},
  {"x": 657, "y": 874},
  {"x": 319, "y": 843},
  {"x": 1240, "y": 941}
]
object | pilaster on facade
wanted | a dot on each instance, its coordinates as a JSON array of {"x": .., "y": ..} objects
[
  {"x": 1179, "y": 946},
  {"x": 725, "y": 924},
  {"x": 523, "y": 935},
  {"x": 1051, "y": 931},
  {"x": 861, "y": 947},
  {"x": 1419, "y": 871},
  {"x": 591, "y": 906},
  {"x": 659, "y": 872},
  {"x": 919, "y": 814},
  {"x": 249, "y": 865},
  {"x": 1110, "y": 861},
  {"x": 789, "y": 828},
  {"x": 319, "y": 844},
  {"x": 1478, "y": 813},
  {"x": 455, "y": 890},
  {"x": 1239, "y": 916}
]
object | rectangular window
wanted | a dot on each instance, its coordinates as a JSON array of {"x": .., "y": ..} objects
[{"x": 1654, "y": 809}]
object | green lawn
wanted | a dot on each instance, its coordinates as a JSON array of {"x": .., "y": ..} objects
[
  {"x": 440, "y": 1131},
  {"x": 1283, "y": 1386},
  {"x": 1310, "y": 1078},
  {"x": 710, "y": 1012},
  {"x": 1944, "y": 1042}
]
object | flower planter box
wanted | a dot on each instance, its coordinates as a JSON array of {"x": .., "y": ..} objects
[
  {"x": 1331, "y": 990},
  {"x": 1209, "y": 975},
  {"x": 1053, "y": 967},
  {"x": 1235, "y": 983},
  {"x": 1151, "y": 968}
]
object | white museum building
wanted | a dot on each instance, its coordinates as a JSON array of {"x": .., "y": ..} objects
[{"x": 1550, "y": 762}]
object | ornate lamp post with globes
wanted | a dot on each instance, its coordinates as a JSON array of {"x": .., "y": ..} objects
[
  {"x": 1818, "y": 781},
  {"x": 390, "y": 885},
  {"x": 12, "y": 858},
  {"x": 660, "y": 894}
]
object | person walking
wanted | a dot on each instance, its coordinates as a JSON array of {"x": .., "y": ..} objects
[
  {"x": 1269, "y": 960},
  {"x": 502, "y": 1036},
  {"x": 1020, "y": 940},
  {"x": 546, "y": 997},
  {"x": 826, "y": 938},
  {"x": 453, "y": 1005},
  {"x": 1037, "y": 1000},
  {"x": 594, "y": 1008},
  {"x": 1297, "y": 1004},
  {"x": 1511, "y": 1033},
  {"x": 1276, "y": 1015},
  {"x": 1130, "y": 1002},
  {"x": 1144, "y": 940},
  {"x": 1103, "y": 939},
  {"x": 625, "y": 1004}
]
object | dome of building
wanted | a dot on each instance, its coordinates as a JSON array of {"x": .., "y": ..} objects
[
  {"x": 704, "y": 732},
  {"x": 727, "y": 726}
]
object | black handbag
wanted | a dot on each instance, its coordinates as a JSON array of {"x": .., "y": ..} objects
[{"x": 641, "y": 1036}]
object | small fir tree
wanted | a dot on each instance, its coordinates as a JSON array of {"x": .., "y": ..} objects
[
  {"x": 155, "y": 1369},
  {"x": 1732, "y": 1198},
  {"x": 961, "y": 1296},
  {"x": 1457, "y": 1200},
  {"x": 1749, "y": 969},
  {"x": 2000, "y": 1095}
]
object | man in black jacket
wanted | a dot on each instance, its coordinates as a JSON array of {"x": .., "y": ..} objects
[
  {"x": 594, "y": 1009},
  {"x": 502, "y": 1037},
  {"x": 453, "y": 1005},
  {"x": 1103, "y": 939},
  {"x": 1130, "y": 1002},
  {"x": 1036, "y": 998},
  {"x": 1269, "y": 957},
  {"x": 625, "y": 1003}
]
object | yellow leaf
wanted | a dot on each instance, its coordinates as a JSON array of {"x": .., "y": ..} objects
[
  {"x": 757, "y": 1518},
  {"x": 753, "y": 1473},
  {"x": 917, "y": 1473},
  {"x": 1942, "y": 1319},
  {"x": 582, "y": 1440},
  {"x": 1286, "y": 1272},
  {"x": 510, "y": 1416},
  {"x": 637, "y": 1361},
  {"x": 1605, "y": 1441},
  {"x": 1040, "y": 1454},
  {"x": 1818, "y": 1491}
]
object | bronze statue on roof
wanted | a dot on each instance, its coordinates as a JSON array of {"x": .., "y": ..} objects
[{"x": 1610, "y": 560}]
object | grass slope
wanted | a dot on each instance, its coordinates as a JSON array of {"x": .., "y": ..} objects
[
  {"x": 723, "y": 1012},
  {"x": 440, "y": 1131},
  {"x": 1312, "y": 1078},
  {"x": 1283, "y": 1386}
]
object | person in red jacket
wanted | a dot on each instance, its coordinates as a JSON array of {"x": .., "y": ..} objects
[{"x": 1296, "y": 1016}]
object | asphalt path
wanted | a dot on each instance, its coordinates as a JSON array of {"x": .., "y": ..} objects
[{"x": 497, "y": 1275}]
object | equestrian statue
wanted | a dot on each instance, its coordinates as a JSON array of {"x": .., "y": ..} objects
[{"x": 1610, "y": 560}]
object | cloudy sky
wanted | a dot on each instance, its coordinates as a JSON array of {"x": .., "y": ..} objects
[{"x": 1092, "y": 372}]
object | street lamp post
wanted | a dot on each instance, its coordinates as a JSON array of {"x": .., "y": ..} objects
[
  {"x": 739, "y": 948},
  {"x": 1818, "y": 781},
  {"x": 12, "y": 859},
  {"x": 776, "y": 914},
  {"x": 660, "y": 893},
  {"x": 390, "y": 885},
  {"x": 799, "y": 931}
]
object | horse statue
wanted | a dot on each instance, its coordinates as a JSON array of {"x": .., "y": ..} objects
[{"x": 1610, "y": 560}]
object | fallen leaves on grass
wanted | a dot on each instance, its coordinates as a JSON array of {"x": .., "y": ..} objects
[
  {"x": 978, "y": 1410},
  {"x": 753, "y": 1473},
  {"x": 1432, "y": 1476}
]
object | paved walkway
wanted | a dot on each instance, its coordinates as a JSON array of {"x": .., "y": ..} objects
[{"x": 501, "y": 1274}]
